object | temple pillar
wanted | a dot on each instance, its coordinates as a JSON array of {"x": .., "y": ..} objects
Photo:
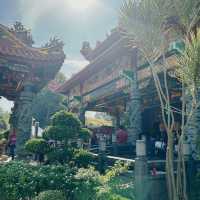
[
  {"x": 134, "y": 107},
  {"x": 82, "y": 115},
  {"x": 118, "y": 120},
  {"x": 23, "y": 113}
]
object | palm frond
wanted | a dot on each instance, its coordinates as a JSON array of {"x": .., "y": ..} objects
[{"x": 188, "y": 70}]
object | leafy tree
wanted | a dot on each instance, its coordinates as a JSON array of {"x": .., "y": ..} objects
[
  {"x": 45, "y": 105},
  {"x": 64, "y": 127},
  {"x": 151, "y": 25},
  {"x": 67, "y": 123}
]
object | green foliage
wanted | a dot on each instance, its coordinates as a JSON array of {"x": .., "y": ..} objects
[
  {"x": 64, "y": 126},
  {"x": 66, "y": 120},
  {"x": 55, "y": 133},
  {"x": 37, "y": 145},
  {"x": 87, "y": 182},
  {"x": 108, "y": 195},
  {"x": 4, "y": 134},
  {"x": 116, "y": 170},
  {"x": 51, "y": 195},
  {"x": 152, "y": 24},
  {"x": 82, "y": 158},
  {"x": 19, "y": 180},
  {"x": 91, "y": 185},
  {"x": 85, "y": 134},
  {"x": 45, "y": 104},
  {"x": 141, "y": 23},
  {"x": 59, "y": 155},
  {"x": 188, "y": 70},
  {"x": 4, "y": 119}
]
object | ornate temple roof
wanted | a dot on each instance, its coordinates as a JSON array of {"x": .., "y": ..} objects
[
  {"x": 112, "y": 46},
  {"x": 20, "y": 62},
  {"x": 11, "y": 47}
]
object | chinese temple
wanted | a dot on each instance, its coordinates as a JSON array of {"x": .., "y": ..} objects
[
  {"x": 24, "y": 71},
  {"x": 119, "y": 82}
]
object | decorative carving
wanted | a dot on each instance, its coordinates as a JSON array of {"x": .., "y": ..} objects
[
  {"x": 55, "y": 44},
  {"x": 86, "y": 50},
  {"x": 24, "y": 116},
  {"x": 22, "y": 33},
  {"x": 134, "y": 107}
]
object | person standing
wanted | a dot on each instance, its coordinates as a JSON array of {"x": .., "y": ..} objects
[
  {"x": 122, "y": 135},
  {"x": 12, "y": 143}
]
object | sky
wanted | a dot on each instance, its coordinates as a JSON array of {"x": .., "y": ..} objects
[{"x": 73, "y": 21}]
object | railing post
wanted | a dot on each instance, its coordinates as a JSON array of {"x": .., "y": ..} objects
[
  {"x": 114, "y": 144},
  {"x": 79, "y": 143},
  {"x": 102, "y": 154},
  {"x": 141, "y": 171}
]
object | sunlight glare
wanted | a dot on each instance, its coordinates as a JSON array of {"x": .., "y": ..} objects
[{"x": 81, "y": 5}]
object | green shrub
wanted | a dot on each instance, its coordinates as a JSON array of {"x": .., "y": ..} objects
[
  {"x": 51, "y": 195},
  {"x": 82, "y": 158},
  {"x": 85, "y": 134},
  {"x": 64, "y": 126},
  {"x": 4, "y": 134},
  {"x": 109, "y": 195},
  {"x": 87, "y": 182},
  {"x": 37, "y": 145},
  {"x": 54, "y": 133},
  {"x": 66, "y": 119},
  {"x": 59, "y": 155},
  {"x": 19, "y": 180}
]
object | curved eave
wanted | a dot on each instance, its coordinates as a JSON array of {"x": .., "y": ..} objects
[
  {"x": 15, "y": 50},
  {"x": 97, "y": 64}
]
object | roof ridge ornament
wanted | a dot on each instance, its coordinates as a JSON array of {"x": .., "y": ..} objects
[
  {"x": 55, "y": 44},
  {"x": 22, "y": 33}
]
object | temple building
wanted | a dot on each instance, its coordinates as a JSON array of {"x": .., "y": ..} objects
[
  {"x": 24, "y": 71},
  {"x": 118, "y": 81}
]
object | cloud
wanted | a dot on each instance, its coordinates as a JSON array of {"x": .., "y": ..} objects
[
  {"x": 73, "y": 66},
  {"x": 34, "y": 10},
  {"x": 58, "y": 10}
]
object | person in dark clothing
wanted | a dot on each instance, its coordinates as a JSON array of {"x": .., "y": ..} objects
[
  {"x": 94, "y": 140},
  {"x": 12, "y": 143}
]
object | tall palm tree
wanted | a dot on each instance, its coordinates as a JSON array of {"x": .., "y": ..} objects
[{"x": 151, "y": 25}]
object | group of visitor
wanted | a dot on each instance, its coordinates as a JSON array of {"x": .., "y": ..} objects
[
  {"x": 157, "y": 143},
  {"x": 115, "y": 141}
]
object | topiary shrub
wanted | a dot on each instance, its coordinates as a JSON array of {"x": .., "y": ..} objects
[
  {"x": 59, "y": 155},
  {"x": 51, "y": 195},
  {"x": 55, "y": 133},
  {"x": 82, "y": 158},
  {"x": 64, "y": 126},
  {"x": 37, "y": 146},
  {"x": 85, "y": 134}
]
